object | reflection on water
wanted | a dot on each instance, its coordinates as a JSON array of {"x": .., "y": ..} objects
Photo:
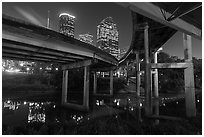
[
  {"x": 36, "y": 112},
  {"x": 22, "y": 112}
]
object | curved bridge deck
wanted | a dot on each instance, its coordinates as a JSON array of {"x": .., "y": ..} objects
[{"x": 26, "y": 41}]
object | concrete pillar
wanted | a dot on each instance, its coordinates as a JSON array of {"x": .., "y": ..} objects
[
  {"x": 148, "y": 93},
  {"x": 64, "y": 86},
  {"x": 137, "y": 74},
  {"x": 86, "y": 87},
  {"x": 189, "y": 78},
  {"x": 95, "y": 83},
  {"x": 111, "y": 82},
  {"x": 139, "y": 110},
  {"x": 127, "y": 63},
  {"x": 156, "y": 110},
  {"x": 156, "y": 90}
]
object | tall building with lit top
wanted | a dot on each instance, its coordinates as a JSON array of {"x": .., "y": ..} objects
[
  {"x": 107, "y": 36},
  {"x": 66, "y": 24},
  {"x": 87, "y": 38},
  {"x": 122, "y": 52}
]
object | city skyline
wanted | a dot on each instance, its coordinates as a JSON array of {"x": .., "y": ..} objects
[{"x": 88, "y": 15}]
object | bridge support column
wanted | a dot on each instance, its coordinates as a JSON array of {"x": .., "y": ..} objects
[
  {"x": 86, "y": 88},
  {"x": 64, "y": 86},
  {"x": 111, "y": 83},
  {"x": 95, "y": 83},
  {"x": 189, "y": 78},
  {"x": 127, "y": 64},
  {"x": 156, "y": 91},
  {"x": 137, "y": 74},
  {"x": 148, "y": 93}
]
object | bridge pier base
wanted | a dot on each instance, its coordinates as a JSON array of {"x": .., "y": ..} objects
[
  {"x": 95, "y": 83},
  {"x": 111, "y": 82},
  {"x": 110, "y": 86},
  {"x": 86, "y": 88},
  {"x": 85, "y": 64},
  {"x": 189, "y": 78},
  {"x": 137, "y": 74},
  {"x": 64, "y": 86},
  {"x": 148, "y": 92}
]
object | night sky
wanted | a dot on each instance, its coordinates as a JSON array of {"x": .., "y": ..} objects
[{"x": 88, "y": 16}]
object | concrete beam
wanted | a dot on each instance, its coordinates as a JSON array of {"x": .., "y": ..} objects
[
  {"x": 79, "y": 64},
  {"x": 170, "y": 65}
]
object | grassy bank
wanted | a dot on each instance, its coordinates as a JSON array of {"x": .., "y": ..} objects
[{"x": 22, "y": 84}]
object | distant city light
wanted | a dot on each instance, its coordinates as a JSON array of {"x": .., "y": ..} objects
[
  {"x": 27, "y": 69},
  {"x": 140, "y": 104},
  {"x": 40, "y": 68},
  {"x": 66, "y": 14},
  {"x": 97, "y": 102}
]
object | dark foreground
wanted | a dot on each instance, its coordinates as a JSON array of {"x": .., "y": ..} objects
[{"x": 108, "y": 116}]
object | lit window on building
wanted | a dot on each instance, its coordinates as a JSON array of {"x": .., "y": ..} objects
[
  {"x": 67, "y": 23},
  {"x": 107, "y": 36}
]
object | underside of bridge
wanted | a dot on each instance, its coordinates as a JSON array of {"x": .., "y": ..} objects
[{"x": 153, "y": 25}]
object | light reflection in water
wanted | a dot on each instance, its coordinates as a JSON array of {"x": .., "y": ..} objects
[
  {"x": 77, "y": 118},
  {"x": 12, "y": 105},
  {"x": 100, "y": 102},
  {"x": 36, "y": 112}
]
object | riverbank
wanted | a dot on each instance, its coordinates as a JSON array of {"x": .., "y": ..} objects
[{"x": 24, "y": 85}]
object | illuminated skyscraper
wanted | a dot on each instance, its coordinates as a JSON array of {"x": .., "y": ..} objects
[
  {"x": 87, "y": 38},
  {"x": 107, "y": 36},
  {"x": 66, "y": 24},
  {"x": 122, "y": 52}
]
